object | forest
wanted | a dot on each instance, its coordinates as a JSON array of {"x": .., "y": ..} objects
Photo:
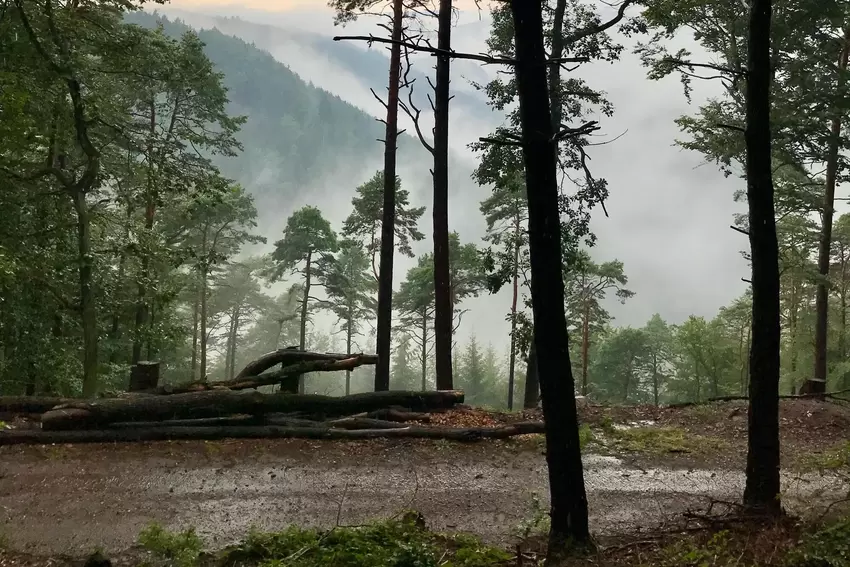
[{"x": 131, "y": 239}]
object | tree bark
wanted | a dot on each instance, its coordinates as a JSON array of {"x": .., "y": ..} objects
[
  {"x": 655, "y": 378},
  {"x": 569, "y": 520},
  {"x": 163, "y": 433},
  {"x": 818, "y": 383},
  {"x": 762, "y": 491},
  {"x": 222, "y": 403},
  {"x": 348, "y": 333},
  {"x": 302, "y": 337},
  {"x": 585, "y": 346},
  {"x": 514, "y": 297},
  {"x": 203, "y": 314},
  {"x": 424, "y": 359},
  {"x": 88, "y": 308},
  {"x": 143, "y": 376},
  {"x": 286, "y": 357},
  {"x": 443, "y": 307},
  {"x": 385, "y": 275},
  {"x": 532, "y": 380},
  {"x": 195, "y": 316}
]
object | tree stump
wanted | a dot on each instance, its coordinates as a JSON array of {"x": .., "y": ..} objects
[{"x": 144, "y": 375}]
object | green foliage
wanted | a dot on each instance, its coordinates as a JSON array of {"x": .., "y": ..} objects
[
  {"x": 659, "y": 440},
  {"x": 715, "y": 552},
  {"x": 182, "y": 549},
  {"x": 826, "y": 547},
  {"x": 364, "y": 222},
  {"x": 537, "y": 522},
  {"x": 392, "y": 543}
]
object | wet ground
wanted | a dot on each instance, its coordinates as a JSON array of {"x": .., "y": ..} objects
[{"x": 73, "y": 499}]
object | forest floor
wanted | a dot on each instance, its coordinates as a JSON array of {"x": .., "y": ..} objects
[{"x": 647, "y": 469}]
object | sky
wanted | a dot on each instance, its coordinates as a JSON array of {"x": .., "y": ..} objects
[{"x": 669, "y": 213}]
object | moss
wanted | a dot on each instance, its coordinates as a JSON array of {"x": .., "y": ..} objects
[
  {"x": 181, "y": 549},
  {"x": 658, "y": 440}
]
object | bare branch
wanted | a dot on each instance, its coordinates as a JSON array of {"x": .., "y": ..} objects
[{"x": 486, "y": 59}]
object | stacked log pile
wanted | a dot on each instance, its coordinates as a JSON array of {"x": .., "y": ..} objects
[{"x": 218, "y": 410}]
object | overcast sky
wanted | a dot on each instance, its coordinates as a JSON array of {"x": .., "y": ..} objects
[{"x": 669, "y": 212}]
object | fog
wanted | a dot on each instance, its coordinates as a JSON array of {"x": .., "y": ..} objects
[{"x": 669, "y": 212}]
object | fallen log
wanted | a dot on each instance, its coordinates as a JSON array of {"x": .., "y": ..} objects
[
  {"x": 399, "y": 415},
  {"x": 29, "y": 405},
  {"x": 165, "y": 433},
  {"x": 286, "y": 376},
  {"x": 288, "y": 357},
  {"x": 222, "y": 403}
]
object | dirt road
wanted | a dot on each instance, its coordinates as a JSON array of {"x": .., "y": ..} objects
[{"x": 73, "y": 499}]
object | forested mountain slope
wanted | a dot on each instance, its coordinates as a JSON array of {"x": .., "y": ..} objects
[{"x": 297, "y": 136}]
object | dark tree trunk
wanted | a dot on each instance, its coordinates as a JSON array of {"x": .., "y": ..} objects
[
  {"x": 348, "y": 337},
  {"x": 762, "y": 490},
  {"x": 818, "y": 383},
  {"x": 165, "y": 432},
  {"x": 424, "y": 359},
  {"x": 195, "y": 315},
  {"x": 655, "y": 378},
  {"x": 443, "y": 307},
  {"x": 385, "y": 275},
  {"x": 143, "y": 376},
  {"x": 532, "y": 380},
  {"x": 233, "y": 336},
  {"x": 514, "y": 297},
  {"x": 302, "y": 338},
  {"x": 585, "y": 346},
  {"x": 222, "y": 403},
  {"x": 88, "y": 308},
  {"x": 569, "y": 521}
]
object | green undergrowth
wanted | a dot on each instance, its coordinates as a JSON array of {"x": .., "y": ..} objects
[
  {"x": 656, "y": 440},
  {"x": 826, "y": 547},
  {"x": 392, "y": 543},
  {"x": 831, "y": 460}
]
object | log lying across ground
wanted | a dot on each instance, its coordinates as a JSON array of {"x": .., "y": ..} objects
[
  {"x": 28, "y": 405},
  {"x": 296, "y": 362},
  {"x": 225, "y": 403},
  {"x": 163, "y": 433}
]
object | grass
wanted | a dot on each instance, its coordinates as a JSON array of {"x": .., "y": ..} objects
[
  {"x": 831, "y": 460},
  {"x": 407, "y": 543},
  {"x": 392, "y": 543},
  {"x": 659, "y": 440}
]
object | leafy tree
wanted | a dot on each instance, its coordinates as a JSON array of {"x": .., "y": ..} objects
[
  {"x": 621, "y": 366},
  {"x": 587, "y": 285},
  {"x": 415, "y": 302},
  {"x": 506, "y": 215},
  {"x": 349, "y": 291},
  {"x": 217, "y": 222},
  {"x": 364, "y": 222},
  {"x": 307, "y": 238},
  {"x": 659, "y": 351},
  {"x": 347, "y": 10}
]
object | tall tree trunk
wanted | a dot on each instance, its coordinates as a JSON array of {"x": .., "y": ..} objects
[
  {"x": 196, "y": 307},
  {"x": 569, "y": 521},
  {"x": 385, "y": 275},
  {"x": 203, "y": 314},
  {"x": 585, "y": 346},
  {"x": 442, "y": 283},
  {"x": 348, "y": 335},
  {"x": 761, "y": 493},
  {"x": 818, "y": 384},
  {"x": 234, "y": 337},
  {"x": 88, "y": 308},
  {"x": 515, "y": 286},
  {"x": 150, "y": 211},
  {"x": 115, "y": 327},
  {"x": 424, "y": 351},
  {"x": 302, "y": 338},
  {"x": 655, "y": 378},
  {"x": 532, "y": 380}
]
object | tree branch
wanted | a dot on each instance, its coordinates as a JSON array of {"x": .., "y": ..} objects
[{"x": 486, "y": 59}]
